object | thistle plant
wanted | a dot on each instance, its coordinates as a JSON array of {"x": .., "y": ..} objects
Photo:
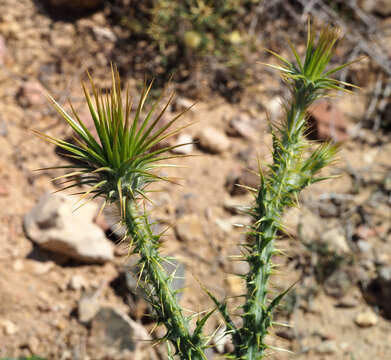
[
  {"x": 292, "y": 170},
  {"x": 120, "y": 163}
]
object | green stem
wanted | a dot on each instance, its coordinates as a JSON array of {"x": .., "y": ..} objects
[
  {"x": 161, "y": 296},
  {"x": 275, "y": 194}
]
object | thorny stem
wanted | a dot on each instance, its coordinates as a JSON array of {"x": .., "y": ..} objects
[
  {"x": 290, "y": 172},
  {"x": 160, "y": 294},
  {"x": 271, "y": 201}
]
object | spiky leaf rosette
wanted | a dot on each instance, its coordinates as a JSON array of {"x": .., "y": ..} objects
[
  {"x": 120, "y": 162},
  {"x": 291, "y": 171}
]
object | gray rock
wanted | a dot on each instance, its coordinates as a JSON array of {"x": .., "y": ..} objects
[
  {"x": 103, "y": 34},
  {"x": 385, "y": 274},
  {"x": 53, "y": 225},
  {"x": 364, "y": 246},
  {"x": 245, "y": 178},
  {"x": 327, "y": 347},
  {"x": 338, "y": 283},
  {"x": 88, "y": 306},
  {"x": 213, "y": 141},
  {"x": 115, "y": 335},
  {"x": 241, "y": 126},
  {"x": 173, "y": 267}
]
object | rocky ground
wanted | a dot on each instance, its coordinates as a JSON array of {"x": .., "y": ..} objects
[{"x": 66, "y": 285}]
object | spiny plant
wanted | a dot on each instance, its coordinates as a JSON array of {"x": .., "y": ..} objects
[
  {"x": 120, "y": 162},
  {"x": 119, "y": 165},
  {"x": 291, "y": 171}
]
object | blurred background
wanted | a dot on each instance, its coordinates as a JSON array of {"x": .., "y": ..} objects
[{"x": 68, "y": 288}]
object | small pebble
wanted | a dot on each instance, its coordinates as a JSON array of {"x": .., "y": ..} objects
[
  {"x": 9, "y": 327},
  {"x": 40, "y": 268},
  {"x": 77, "y": 282},
  {"x": 18, "y": 265},
  {"x": 328, "y": 347},
  {"x": 88, "y": 306},
  {"x": 347, "y": 303},
  {"x": 184, "y": 149},
  {"x": 366, "y": 319},
  {"x": 213, "y": 141}
]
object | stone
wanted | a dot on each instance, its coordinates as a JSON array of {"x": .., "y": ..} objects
[
  {"x": 348, "y": 302},
  {"x": 40, "y": 268},
  {"x": 77, "y": 282},
  {"x": 364, "y": 246},
  {"x": 336, "y": 241},
  {"x": 220, "y": 339},
  {"x": 243, "y": 177},
  {"x": 172, "y": 267},
  {"x": 113, "y": 333},
  {"x": 185, "y": 149},
  {"x": 385, "y": 274},
  {"x": 382, "y": 7},
  {"x": 9, "y": 327},
  {"x": 327, "y": 347},
  {"x": 286, "y": 333},
  {"x": 189, "y": 228},
  {"x": 103, "y": 34},
  {"x": 88, "y": 306},
  {"x": 61, "y": 42},
  {"x": 31, "y": 93},
  {"x": 53, "y": 225},
  {"x": 366, "y": 318},
  {"x": 338, "y": 283},
  {"x": 213, "y": 141},
  {"x": 235, "y": 207},
  {"x": 327, "y": 122},
  {"x": 241, "y": 126},
  {"x": 227, "y": 225},
  {"x": 274, "y": 107},
  {"x": 181, "y": 104}
]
